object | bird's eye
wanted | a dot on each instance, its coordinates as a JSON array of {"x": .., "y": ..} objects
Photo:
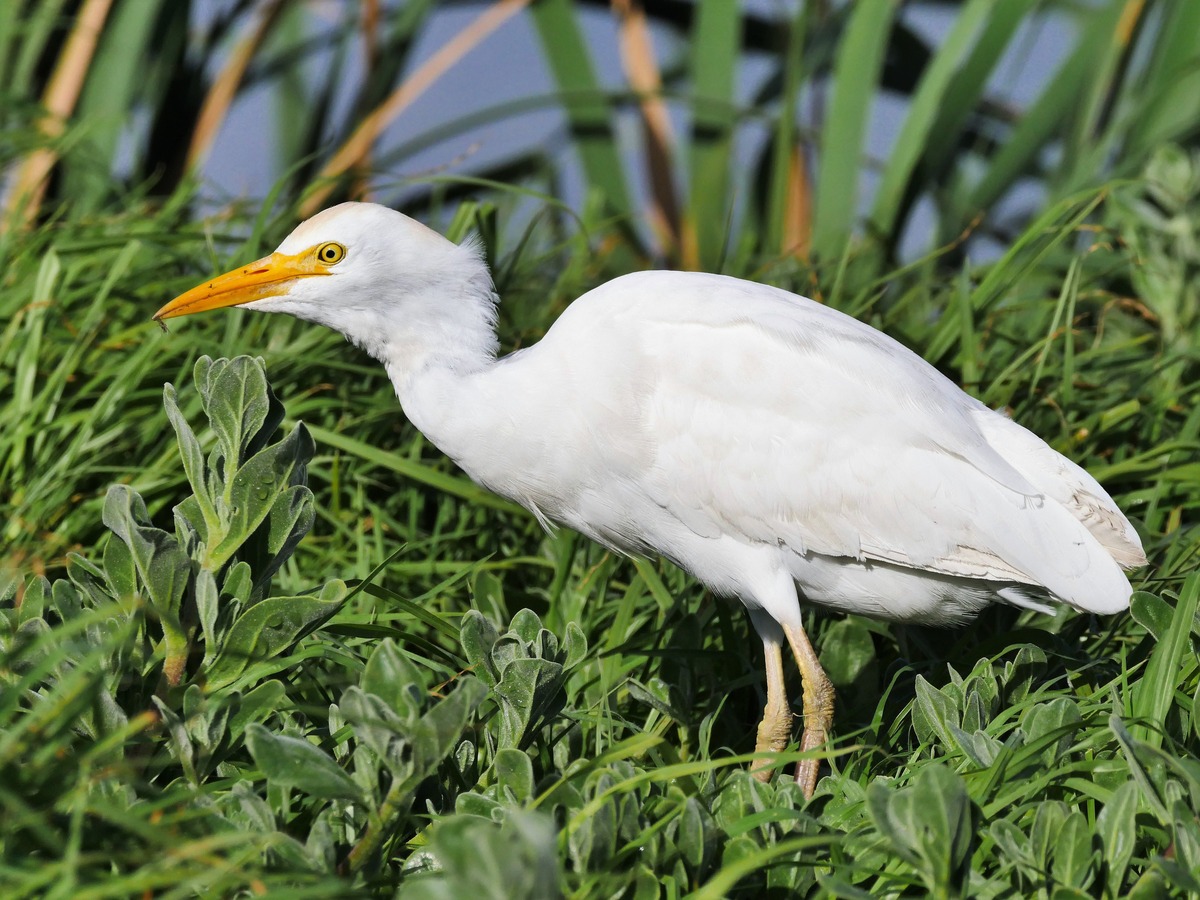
[{"x": 330, "y": 253}]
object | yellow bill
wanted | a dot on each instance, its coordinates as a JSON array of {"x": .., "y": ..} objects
[{"x": 271, "y": 276}]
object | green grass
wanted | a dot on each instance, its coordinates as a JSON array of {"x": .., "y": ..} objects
[{"x": 426, "y": 692}]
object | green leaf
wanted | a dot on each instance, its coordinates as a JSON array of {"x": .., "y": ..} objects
[
  {"x": 251, "y": 495},
  {"x": 934, "y": 714},
  {"x": 119, "y": 568},
  {"x": 574, "y": 647},
  {"x": 294, "y": 762},
  {"x": 1137, "y": 755},
  {"x": 163, "y": 566},
  {"x": 847, "y": 651},
  {"x": 978, "y": 746},
  {"x": 526, "y": 625},
  {"x": 193, "y": 459},
  {"x": 1155, "y": 691},
  {"x": 480, "y": 859},
  {"x": 235, "y": 397},
  {"x": 1151, "y": 612},
  {"x": 412, "y": 746},
  {"x": 1047, "y": 825},
  {"x": 1057, "y": 718},
  {"x": 1014, "y": 842},
  {"x": 190, "y": 527},
  {"x": 860, "y": 57},
  {"x": 1117, "y": 830},
  {"x": 290, "y": 519},
  {"x": 657, "y": 695},
  {"x": 268, "y": 628},
  {"x": 1185, "y": 867},
  {"x": 254, "y": 706},
  {"x": 593, "y": 843},
  {"x": 487, "y": 594},
  {"x": 929, "y": 824},
  {"x": 238, "y": 582},
  {"x": 1021, "y": 673},
  {"x": 181, "y": 743},
  {"x": 66, "y": 600},
  {"x": 514, "y": 774},
  {"x": 1073, "y": 854},
  {"x": 206, "y": 718},
  {"x": 393, "y": 678},
  {"x": 528, "y": 693},
  {"x": 208, "y": 605},
  {"x": 37, "y": 594},
  {"x": 472, "y": 804},
  {"x": 445, "y": 722},
  {"x": 89, "y": 579},
  {"x": 478, "y": 636},
  {"x": 695, "y": 838},
  {"x": 244, "y": 808},
  {"x": 391, "y": 734}
]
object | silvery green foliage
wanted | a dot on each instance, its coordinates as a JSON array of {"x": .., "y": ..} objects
[
  {"x": 248, "y": 510},
  {"x": 194, "y": 604},
  {"x": 525, "y": 667}
]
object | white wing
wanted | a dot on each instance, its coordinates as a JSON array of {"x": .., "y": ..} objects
[
  {"x": 1066, "y": 483},
  {"x": 774, "y": 419}
]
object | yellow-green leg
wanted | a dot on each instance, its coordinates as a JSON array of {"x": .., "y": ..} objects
[
  {"x": 818, "y": 705},
  {"x": 775, "y": 729}
]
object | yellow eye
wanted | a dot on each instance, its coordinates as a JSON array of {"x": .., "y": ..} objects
[{"x": 331, "y": 253}]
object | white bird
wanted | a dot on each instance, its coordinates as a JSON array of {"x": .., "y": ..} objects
[{"x": 774, "y": 448}]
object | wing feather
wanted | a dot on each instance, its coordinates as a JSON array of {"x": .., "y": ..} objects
[{"x": 775, "y": 419}]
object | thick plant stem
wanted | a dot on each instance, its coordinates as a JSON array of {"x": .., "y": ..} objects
[{"x": 378, "y": 826}]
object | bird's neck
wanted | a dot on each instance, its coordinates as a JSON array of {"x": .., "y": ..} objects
[{"x": 438, "y": 354}]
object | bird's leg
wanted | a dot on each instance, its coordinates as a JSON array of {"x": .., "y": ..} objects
[
  {"x": 818, "y": 705},
  {"x": 775, "y": 729}
]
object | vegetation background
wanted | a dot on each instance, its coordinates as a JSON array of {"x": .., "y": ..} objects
[{"x": 240, "y": 655}]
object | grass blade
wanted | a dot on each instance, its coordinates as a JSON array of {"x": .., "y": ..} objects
[
  {"x": 855, "y": 80},
  {"x": 924, "y": 109},
  {"x": 716, "y": 40},
  {"x": 450, "y": 484},
  {"x": 641, "y": 69},
  {"x": 1166, "y": 104},
  {"x": 789, "y": 204},
  {"x": 585, "y": 101},
  {"x": 1155, "y": 692},
  {"x": 1049, "y": 114}
]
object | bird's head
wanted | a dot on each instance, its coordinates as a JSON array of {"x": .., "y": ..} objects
[{"x": 362, "y": 269}]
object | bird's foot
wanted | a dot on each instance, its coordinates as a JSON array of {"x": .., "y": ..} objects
[
  {"x": 774, "y": 732},
  {"x": 808, "y": 769}
]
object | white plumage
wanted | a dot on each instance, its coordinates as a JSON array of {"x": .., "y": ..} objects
[{"x": 775, "y": 448}]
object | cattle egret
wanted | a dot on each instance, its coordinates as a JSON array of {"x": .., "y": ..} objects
[{"x": 774, "y": 448}]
